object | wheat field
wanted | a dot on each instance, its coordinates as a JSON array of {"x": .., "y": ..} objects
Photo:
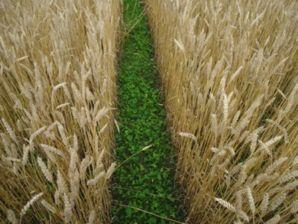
[
  {"x": 57, "y": 96},
  {"x": 229, "y": 74}
]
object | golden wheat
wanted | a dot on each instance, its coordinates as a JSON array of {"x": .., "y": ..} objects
[
  {"x": 57, "y": 88},
  {"x": 229, "y": 73}
]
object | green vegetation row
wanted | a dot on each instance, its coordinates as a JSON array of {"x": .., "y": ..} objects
[{"x": 144, "y": 182}]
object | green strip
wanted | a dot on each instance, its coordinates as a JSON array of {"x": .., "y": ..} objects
[{"x": 144, "y": 182}]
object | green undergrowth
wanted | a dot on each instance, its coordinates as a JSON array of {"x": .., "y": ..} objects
[{"x": 143, "y": 189}]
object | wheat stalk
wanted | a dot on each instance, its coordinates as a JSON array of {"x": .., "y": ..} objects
[
  {"x": 11, "y": 217},
  {"x": 274, "y": 220},
  {"x": 44, "y": 169},
  {"x": 30, "y": 203}
]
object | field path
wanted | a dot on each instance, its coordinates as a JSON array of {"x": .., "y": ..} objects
[{"x": 144, "y": 182}]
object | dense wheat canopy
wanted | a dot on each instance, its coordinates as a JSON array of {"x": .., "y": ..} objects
[
  {"x": 229, "y": 72},
  {"x": 229, "y": 75},
  {"x": 57, "y": 92}
]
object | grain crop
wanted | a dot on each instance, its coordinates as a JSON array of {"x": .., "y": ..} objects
[
  {"x": 57, "y": 96},
  {"x": 229, "y": 74}
]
